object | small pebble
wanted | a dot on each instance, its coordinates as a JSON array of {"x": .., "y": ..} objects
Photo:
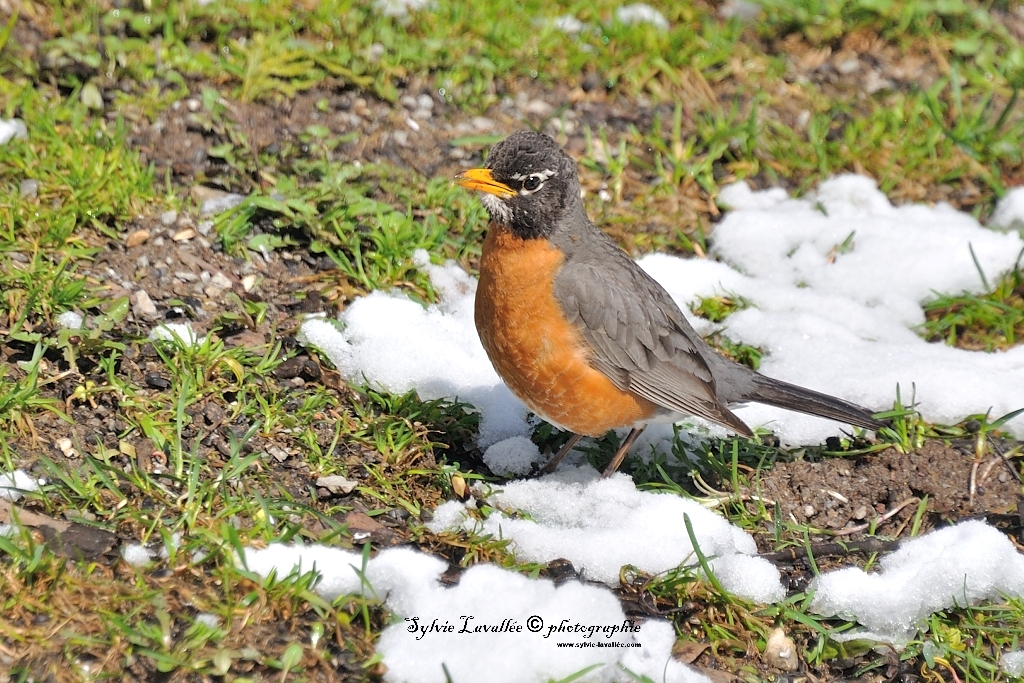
[
  {"x": 873, "y": 82},
  {"x": 12, "y": 129},
  {"x": 538, "y": 107},
  {"x": 75, "y": 515},
  {"x": 28, "y": 188},
  {"x": 848, "y": 66},
  {"x": 156, "y": 381},
  {"x": 564, "y": 126},
  {"x": 221, "y": 280},
  {"x": 221, "y": 204},
  {"x": 336, "y": 484},
  {"x": 184, "y": 235},
  {"x": 567, "y": 23},
  {"x": 143, "y": 306},
  {"x": 482, "y": 123},
  {"x": 167, "y": 218},
  {"x": 136, "y": 238},
  {"x": 641, "y": 13},
  {"x": 66, "y": 447},
  {"x": 741, "y": 9},
  {"x": 278, "y": 453},
  {"x": 780, "y": 652}
]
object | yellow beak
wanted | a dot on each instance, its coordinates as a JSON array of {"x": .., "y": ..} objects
[{"x": 482, "y": 180}]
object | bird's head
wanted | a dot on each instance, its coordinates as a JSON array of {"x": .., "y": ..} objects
[{"x": 528, "y": 185}]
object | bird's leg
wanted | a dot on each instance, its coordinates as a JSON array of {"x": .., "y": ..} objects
[
  {"x": 562, "y": 452},
  {"x": 621, "y": 453}
]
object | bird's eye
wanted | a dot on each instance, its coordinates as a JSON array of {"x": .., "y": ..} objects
[{"x": 532, "y": 183}]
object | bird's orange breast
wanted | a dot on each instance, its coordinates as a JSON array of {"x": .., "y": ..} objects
[{"x": 542, "y": 357}]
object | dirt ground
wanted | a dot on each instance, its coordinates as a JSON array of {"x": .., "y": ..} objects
[{"x": 843, "y": 497}]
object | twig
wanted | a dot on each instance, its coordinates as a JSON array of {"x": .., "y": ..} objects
[
  {"x": 876, "y": 521},
  {"x": 988, "y": 469},
  {"x": 870, "y": 545},
  {"x": 713, "y": 497},
  {"x": 1005, "y": 457},
  {"x": 973, "y": 486}
]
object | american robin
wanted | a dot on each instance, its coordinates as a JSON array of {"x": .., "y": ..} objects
[{"x": 579, "y": 332}]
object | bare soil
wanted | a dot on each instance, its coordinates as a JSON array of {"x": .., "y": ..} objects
[{"x": 841, "y": 495}]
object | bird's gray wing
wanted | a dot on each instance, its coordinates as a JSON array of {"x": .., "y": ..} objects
[{"x": 638, "y": 337}]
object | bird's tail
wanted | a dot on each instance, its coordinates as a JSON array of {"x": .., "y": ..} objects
[{"x": 784, "y": 395}]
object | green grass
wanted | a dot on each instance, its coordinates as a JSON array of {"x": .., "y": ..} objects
[
  {"x": 990, "y": 321},
  {"x": 194, "y": 457},
  {"x": 88, "y": 186},
  {"x": 350, "y": 214},
  {"x": 964, "y": 126}
]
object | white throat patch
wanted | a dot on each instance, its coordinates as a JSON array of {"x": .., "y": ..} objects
[{"x": 499, "y": 210}]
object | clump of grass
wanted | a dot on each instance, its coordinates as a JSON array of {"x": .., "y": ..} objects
[
  {"x": 993, "y": 321},
  {"x": 84, "y": 181},
  {"x": 745, "y": 354},
  {"x": 718, "y": 308},
  {"x": 20, "y": 397},
  {"x": 351, "y": 214}
]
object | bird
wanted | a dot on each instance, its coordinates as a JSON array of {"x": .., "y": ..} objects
[{"x": 580, "y": 333}]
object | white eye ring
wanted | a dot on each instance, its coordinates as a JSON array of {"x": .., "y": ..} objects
[{"x": 533, "y": 183}]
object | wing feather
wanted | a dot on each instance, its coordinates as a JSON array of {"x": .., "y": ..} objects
[{"x": 639, "y": 338}]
